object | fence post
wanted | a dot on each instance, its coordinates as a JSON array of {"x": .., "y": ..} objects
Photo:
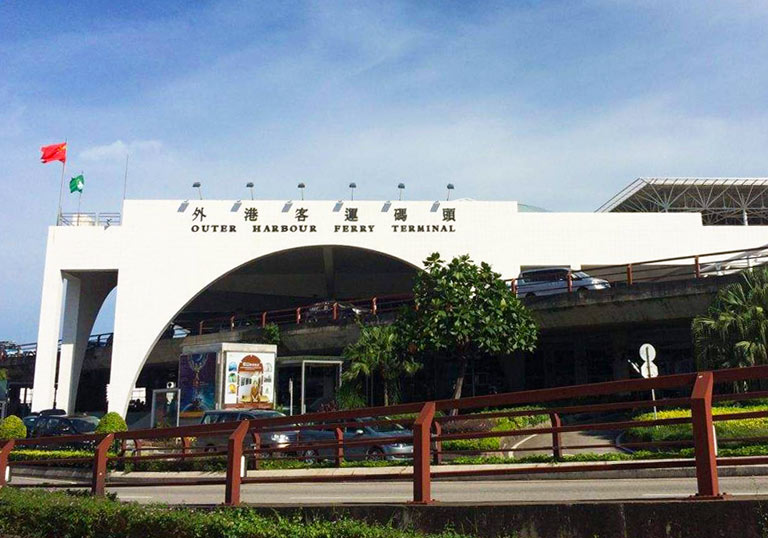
[
  {"x": 629, "y": 274},
  {"x": 570, "y": 281},
  {"x": 235, "y": 469},
  {"x": 185, "y": 444},
  {"x": 703, "y": 437},
  {"x": 200, "y": 328},
  {"x": 557, "y": 441},
  {"x": 100, "y": 465},
  {"x": 697, "y": 266},
  {"x": 339, "y": 447},
  {"x": 421, "y": 442},
  {"x": 5, "y": 451},
  {"x": 335, "y": 311},
  {"x": 374, "y": 306},
  {"x": 263, "y": 319},
  {"x": 232, "y": 323},
  {"x": 256, "y": 446},
  {"x": 437, "y": 459},
  {"x": 298, "y": 315}
]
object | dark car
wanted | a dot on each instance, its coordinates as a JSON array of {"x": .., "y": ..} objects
[
  {"x": 278, "y": 439},
  {"x": 376, "y": 450},
  {"x": 55, "y": 425},
  {"x": 325, "y": 312}
]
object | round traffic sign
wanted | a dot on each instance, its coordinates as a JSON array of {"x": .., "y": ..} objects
[
  {"x": 649, "y": 369},
  {"x": 647, "y": 352}
]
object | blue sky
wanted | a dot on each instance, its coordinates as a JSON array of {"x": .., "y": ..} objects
[{"x": 558, "y": 104}]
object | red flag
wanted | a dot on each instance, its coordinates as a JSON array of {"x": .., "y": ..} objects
[{"x": 54, "y": 152}]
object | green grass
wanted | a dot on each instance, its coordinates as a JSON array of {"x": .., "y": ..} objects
[{"x": 27, "y": 513}]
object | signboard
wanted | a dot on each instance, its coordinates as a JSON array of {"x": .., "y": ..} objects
[
  {"x": 648, "y": 368},
  {"x": 249, "y": 379},
  {"x": 165, "y": 408},
  {"x": 197, "y": 383}
]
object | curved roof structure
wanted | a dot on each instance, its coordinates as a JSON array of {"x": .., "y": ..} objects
[{"x": 721, "y": 201}]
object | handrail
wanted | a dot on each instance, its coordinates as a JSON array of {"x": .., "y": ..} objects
[{"x": 424, "y": 442}]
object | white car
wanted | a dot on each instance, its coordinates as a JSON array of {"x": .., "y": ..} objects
[{"x": 554, "y": 280}]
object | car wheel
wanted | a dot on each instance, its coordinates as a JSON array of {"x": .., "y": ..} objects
[
  {"x": 210, "y": 448},
  {"x": 375, "y": 454},
  {"x": 310, "y": 456},
  {"x": 582, "y": 291}
]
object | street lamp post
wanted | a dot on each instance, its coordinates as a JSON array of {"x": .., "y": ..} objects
[
  {"x": 400, "y": 188},
  {"x": 249, "y": 185},
  {"x": 196, "y": 185}
]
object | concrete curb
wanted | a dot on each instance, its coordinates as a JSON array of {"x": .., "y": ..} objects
[{"x": 406, "y": 473}]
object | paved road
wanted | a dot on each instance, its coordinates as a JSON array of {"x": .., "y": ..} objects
[
  {"x": 454, "y": 491},
  {"x": 544, "y": 440}
]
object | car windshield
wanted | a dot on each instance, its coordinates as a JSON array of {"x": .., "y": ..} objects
[
  {"x": 382, "y": 428},
  {"x": 84, "y": 424},
  {"x": 580, "y": 274}
]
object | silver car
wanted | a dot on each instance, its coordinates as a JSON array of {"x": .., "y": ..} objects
[{"x": 554, "y": 280}]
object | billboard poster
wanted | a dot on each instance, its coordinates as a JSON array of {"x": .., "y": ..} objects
[
  {"x": 249, "y": 379},
  {"x": 165, "y": 408},
  {"x": 197, "y": 383}
]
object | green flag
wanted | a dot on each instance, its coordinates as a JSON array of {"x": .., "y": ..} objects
[{"x": 76, "y": 184}]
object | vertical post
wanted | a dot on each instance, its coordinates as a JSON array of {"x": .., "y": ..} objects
[
  {"x": 100, "y": 465},
  {"x": 335, "y": 311},
  {"x": 570, "y": 281},
  {"x": 232, "y": 323},
  {"x": 298, "y": 315},
  {"x": 200, "y": 328},
  {"x": 263, "y": 319},
  {"x": 703, "y": 437},
  {"x": 5, "y": 451},
  {"x": 374, "y": 306},
  {"x": 339, "y": 447},
  {"x": 697, "y": 267},
  {"x": 256, "y": 446},
  {"x": 437, "y": 459},
  {"x": 185, "y": 444},
  {"x": 235, "y": 464},
  {"x": 514, "y": 287},
  {"x": 422, "y": 493},
  {"x": 629, "y": 274},
  {"x": 557, "y": 441}
]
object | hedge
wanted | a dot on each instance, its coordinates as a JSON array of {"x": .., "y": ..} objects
[
  {"x": 751, "y": 427},
  {"x": 28, "y": 513},
  {"x": 491, "y": 444}
]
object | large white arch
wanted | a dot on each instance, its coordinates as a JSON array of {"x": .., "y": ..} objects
[{"x": 166, "y": 252}]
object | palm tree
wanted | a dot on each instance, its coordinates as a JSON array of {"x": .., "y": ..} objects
[
  {"x": 375, "y": 354},
  {"x": 734, "y": 332}
]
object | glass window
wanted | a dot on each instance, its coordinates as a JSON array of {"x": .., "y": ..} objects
[{"x": 84, "y": 424}]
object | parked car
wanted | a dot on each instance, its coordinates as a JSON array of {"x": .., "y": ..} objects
[
  {"x": 279, "y": 439},
  {"x": 554, "y": 280},
  {"x": 375, "y": 451},
  {"x": 324, "y": 311},
  {"x": 29, "y": 422},
  {"x": 55, "y": 425}
]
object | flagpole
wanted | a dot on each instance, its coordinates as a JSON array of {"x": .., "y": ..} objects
[
  {"x": 79, "y": 199},
  {"x": 61, "y": 189}
]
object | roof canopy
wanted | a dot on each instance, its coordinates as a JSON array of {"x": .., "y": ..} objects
[{"x": 719, "y": 200}]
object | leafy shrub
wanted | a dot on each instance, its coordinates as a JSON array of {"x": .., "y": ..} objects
[
  {"x": 270, "y": 334},
  {"x": 111, "y": 423},
  {"x": 752, "y": 427},
  {"x": 349, "y": 396},
  {"x": 496, "y": 424},
  {"x": 12, "y": 427},
  {"x": 42, "y": 513}
]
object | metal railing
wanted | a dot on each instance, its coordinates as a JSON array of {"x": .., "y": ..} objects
[
  {"x": 89, "y": 219},
  {"x": 12, "y": 350},
  {"x": 426, "y": 436}
]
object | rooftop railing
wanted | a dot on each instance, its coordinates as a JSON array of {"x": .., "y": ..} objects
[{"x": 89, "y": 219}]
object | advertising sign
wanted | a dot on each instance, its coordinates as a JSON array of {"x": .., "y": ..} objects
[
  {"x": 249, "y": 379},
  {"x": 165, "y": 408},
  {"x": 197, "y": 383}
]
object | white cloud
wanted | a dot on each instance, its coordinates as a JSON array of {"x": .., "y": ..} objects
[{"x": 118, "y": 149}]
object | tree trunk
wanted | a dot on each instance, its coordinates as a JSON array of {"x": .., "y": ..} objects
[{"x": 459, "y": 384}]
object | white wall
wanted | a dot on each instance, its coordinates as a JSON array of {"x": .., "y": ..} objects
[{"x": 162, "y": 263}]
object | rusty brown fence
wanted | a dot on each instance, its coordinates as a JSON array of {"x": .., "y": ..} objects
[{"x": 430, "y": 426}]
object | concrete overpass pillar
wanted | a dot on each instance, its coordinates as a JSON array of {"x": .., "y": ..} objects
[
  {"x": 85, "y": 295},
  {"x": 44, "y": 390}
]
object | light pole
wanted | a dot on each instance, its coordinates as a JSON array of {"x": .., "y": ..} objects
[
  {"x": 352, "y": 187},
  {"x": 450, "y": 188},
  {"x": 249, "y": 185},
  {"x": 400, "y": 188},
  {"x": 301, "y": 189},
  {"x": 196, "y": 185}
]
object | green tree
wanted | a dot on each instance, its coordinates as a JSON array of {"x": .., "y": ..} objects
[
  {"x": 734, "y": 331},
  {"x": 376, "y": 355},
  {"x": 464, "y": 311}
]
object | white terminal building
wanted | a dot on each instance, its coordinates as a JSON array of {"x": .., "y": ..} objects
[{"x": 175, "y": 263}]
